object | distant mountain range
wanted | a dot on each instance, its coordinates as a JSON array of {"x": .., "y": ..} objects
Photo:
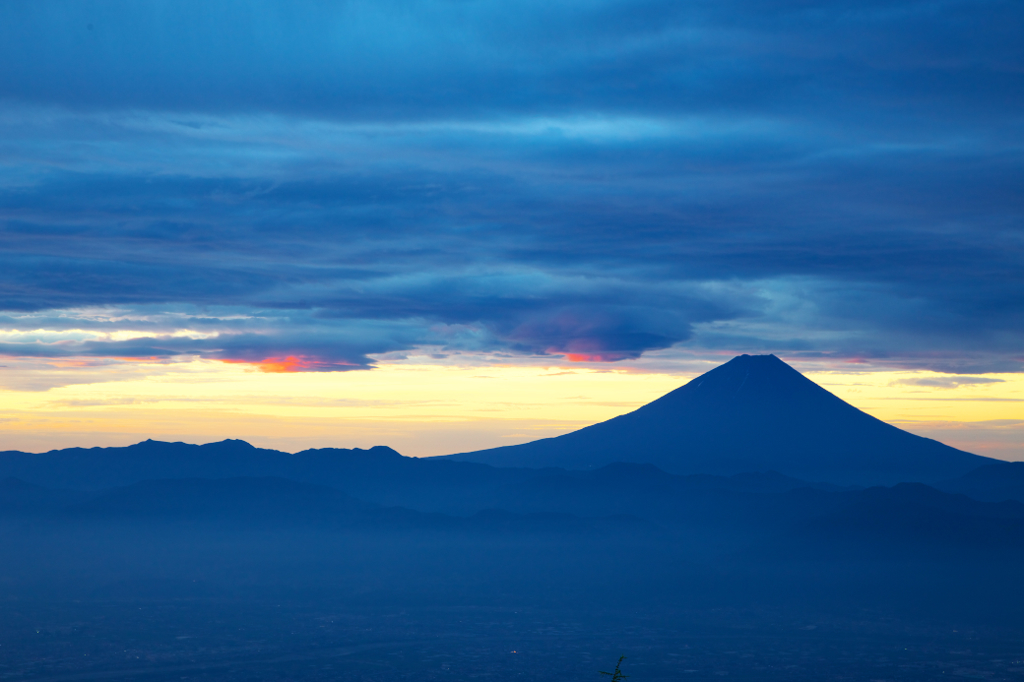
[
  {"x": 379, "y": 475},
  {"x": 619, "y": 498},
  {"x": 749, "y": 485},
  {"x": 754, "y": 413}
]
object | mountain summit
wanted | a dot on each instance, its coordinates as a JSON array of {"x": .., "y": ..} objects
[{"x": 754, "y": 413}]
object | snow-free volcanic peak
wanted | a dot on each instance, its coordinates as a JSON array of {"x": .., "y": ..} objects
[{"x": 754, "y": 413}]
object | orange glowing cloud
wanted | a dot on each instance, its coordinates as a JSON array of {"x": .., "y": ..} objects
[
  {"x": 596, "y": 357},
  {"x": 292, "y": 363},
  {"x": 586, "y": 350},
  {"x": 63, "y": 364}
]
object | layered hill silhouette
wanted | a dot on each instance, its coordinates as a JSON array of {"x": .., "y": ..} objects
[
  {"x": 630, "y": 499},
  {"x": 754, "y": 413},
  {"x": 994, "y": 482},
  {"x": 378, "y": 474}
]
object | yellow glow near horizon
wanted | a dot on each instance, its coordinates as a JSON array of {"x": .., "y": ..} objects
[
  {"x": 900, "y": 396},
  {"x": 984, "y": 418},
  {"x": 422, "y": 408},
  {"x": 418, "y": 409}
]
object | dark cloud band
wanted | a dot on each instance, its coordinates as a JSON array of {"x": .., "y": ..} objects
[{"x": 592, "y": 180}]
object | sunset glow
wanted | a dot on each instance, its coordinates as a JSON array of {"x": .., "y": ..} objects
[
  {"x": 357, "y": 202},
  {"x": 288, "y": 364},
  {"x": 425, "y": 406}
]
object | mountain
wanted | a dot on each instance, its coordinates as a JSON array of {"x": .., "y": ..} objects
[
  {"x": 20, "y": 497},
  {"x": 754, "y": 413},
  {"x": 96, "y": 468},
  {"x": 242, "y": 499},
  {"x": 259, "y": 503},
  {"x": 619, "y": 498},
  {"x": 907, "y": 517},
  {"x": 992, "y": 483},
  {"x": 644, "y": 491},
  {"x": 378, "y": 474}
]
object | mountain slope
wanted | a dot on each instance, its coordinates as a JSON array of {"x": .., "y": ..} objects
[
  {"x": 991, "y": 483},
  {"x": 250, "y": 503},
  {"x": 246, "y": 499},
  {"x": 754, "y": 413},
  {"x": 21, "y": 497}
]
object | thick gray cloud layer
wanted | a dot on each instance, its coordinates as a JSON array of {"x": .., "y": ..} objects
[{"x": 333, "y": 180}]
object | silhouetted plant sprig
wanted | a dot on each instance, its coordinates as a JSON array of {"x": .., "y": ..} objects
[{"x": 617, "y": 674}]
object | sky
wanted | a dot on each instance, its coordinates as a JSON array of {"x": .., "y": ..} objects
[{"x": 448, "y": 225}]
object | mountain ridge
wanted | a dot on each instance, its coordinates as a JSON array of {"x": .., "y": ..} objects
[{"x": 751, "y": 414}]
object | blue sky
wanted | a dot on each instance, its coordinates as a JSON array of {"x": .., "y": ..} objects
[{"x": 333, "y": 181}]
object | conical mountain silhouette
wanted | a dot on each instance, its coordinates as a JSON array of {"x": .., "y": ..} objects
[{"x": 754, "y": 413}]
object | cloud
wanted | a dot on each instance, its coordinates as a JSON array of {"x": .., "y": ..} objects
[
  {"x": 949, "y": 382},
  {"x": 307, "y": 186},
  {"x": 388, "y": 59}
]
